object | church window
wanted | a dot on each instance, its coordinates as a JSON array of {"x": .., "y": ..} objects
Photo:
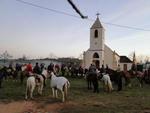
[
  {"x": 95, "y": 55},
  {"x": 96, "y": 33}
]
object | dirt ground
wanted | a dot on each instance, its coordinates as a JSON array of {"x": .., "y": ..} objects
[{"x": 32, "y": 107}]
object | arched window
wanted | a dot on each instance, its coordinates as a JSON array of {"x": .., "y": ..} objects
[
  {"x": 96, "y": 33},
  {"x": 95, "y": 55}
]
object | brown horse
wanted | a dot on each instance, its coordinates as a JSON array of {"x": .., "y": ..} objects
[{"x": 133, "y": 74}]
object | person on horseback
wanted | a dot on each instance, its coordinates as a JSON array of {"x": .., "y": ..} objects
[
  {"x": 37, "y": 69},
  {"x": 107, "y": 69},
  {"x": 93, "y": 75},
  {"x": 102, "y": 69},
  {"x": 29, "y": 69},
  {"x": 92, "y": 68},
  {"x": 51, "y": 68}
]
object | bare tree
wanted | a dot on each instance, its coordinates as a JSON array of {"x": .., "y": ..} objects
[
  {"x": 130, "y": 56},
  {"x": 5, "y": 56},
  {"x": 52, "y": 56},
  {"x": 24, "y": 57}
]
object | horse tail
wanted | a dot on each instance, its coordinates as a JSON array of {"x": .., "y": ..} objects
[
  {"x": 110, "y": 88},
  {"x": 66, "y": 86},
  {"x": 65, "y": 90}
]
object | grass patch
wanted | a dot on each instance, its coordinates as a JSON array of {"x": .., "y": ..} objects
[{"x": 130, "y": 100}]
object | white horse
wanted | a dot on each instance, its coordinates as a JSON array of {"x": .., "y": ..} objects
[
  {"x": 30, "y": 86},
  {"x": 32, "y": 82},
  {"x": 60, "y": 83},
  {"x": 107, "y": 82}
]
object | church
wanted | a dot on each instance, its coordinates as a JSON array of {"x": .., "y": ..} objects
[{"x": 100, "y": 53}]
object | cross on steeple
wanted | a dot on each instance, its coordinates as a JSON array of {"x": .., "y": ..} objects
[{"x": 97, "y": 14}]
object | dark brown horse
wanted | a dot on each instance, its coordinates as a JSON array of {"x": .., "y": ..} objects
[
  {"x": 147, "y": 76},
  {"x": 116, "y": 77},
  {"x": 92, "y": 79}
]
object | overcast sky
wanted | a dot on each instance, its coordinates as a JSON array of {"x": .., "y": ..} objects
[{"x": 37, "y": 33}]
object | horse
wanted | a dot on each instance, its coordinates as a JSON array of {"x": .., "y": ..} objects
[
  {"x": 106, "y": 82},
  {"x": 30, "y": 86},
  {"x": 92, "y": 78},
  {"x": 23, "y": 73},
  {"x": 116, "y": 77},
  {"x": 1, "y": 77},
  {"x": 32, "y": 81},
  {"x": 133, "y": 74},
  {"x": 147, "y": 76},
  {"x": 59, "y": 83}
]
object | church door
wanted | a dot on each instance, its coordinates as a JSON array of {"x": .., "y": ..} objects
[
  {"x": 97, "y": 63},
  {"x": 96, "y": 59},
  {"x": 125, "y": 67}
]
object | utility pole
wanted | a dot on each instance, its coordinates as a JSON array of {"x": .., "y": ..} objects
[{"x": 77, "y": 10}]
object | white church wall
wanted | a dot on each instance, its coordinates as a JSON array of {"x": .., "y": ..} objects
[
  {"x": 87, "y": 60},
  {"x": 108, "y": 57},
  {"x": 97, "y": 43},
  {"x": 117, "y": 62}
]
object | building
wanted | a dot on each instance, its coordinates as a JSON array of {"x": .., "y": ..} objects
[
  {"x": 99, "y": 52},
  {"x": 125, "y": 63}
]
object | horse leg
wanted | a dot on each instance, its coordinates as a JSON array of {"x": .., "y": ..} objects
[
  {"x": 53, "y": 91},
  {"x": 65, "y": 90},
  {"x": 141, "y": 81},
  {"x": 44, "y": 81},
  {"x": 88, "y": 83},
  {"x": 41, "y": 88},
  {"x": 21, "y": 78},
  {"x": 63, "y": 96},
  {"x": 94, "y": 85},
  {"x": 0, "y": 82},
  {"x": 56, "y": 93},
  {"x": 119, "y": 84},
  {"x": 31, "y": 93},
  {"x": 26, "y": 94}
]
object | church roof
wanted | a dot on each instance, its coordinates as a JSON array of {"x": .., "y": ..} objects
[
  {"x": 125, "y": 59},
  {"x": 97, "y": 24}
]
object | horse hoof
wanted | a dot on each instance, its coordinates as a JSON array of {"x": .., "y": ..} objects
[{"x": 26, "y": 98}]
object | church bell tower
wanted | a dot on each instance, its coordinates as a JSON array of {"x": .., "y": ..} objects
[
  {"x": 97, "y": 42},
  {"x": 95, "y": 54}
]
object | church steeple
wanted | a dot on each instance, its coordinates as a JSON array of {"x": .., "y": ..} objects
[
  {"x": 97, "y": 23},
  {"x": 134, "y": 58},
  {"x": 97, "y": 38}
]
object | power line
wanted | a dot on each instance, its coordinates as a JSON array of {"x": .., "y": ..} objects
[
  {"x": 45, "y": 8},
  {"x": 123, "y": 26},
  {"x": 64, "y": 13}
]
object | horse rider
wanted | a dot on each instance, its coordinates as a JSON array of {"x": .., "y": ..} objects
[
  {"x": 107, "y": 69},
  {"x": 102, "y": 69},
  {"x": 29, "y": 69},
  {"x": 92, "y": 72},
  {"x": 37, "y": 69},
  {"x": 51, "y": 68}
]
